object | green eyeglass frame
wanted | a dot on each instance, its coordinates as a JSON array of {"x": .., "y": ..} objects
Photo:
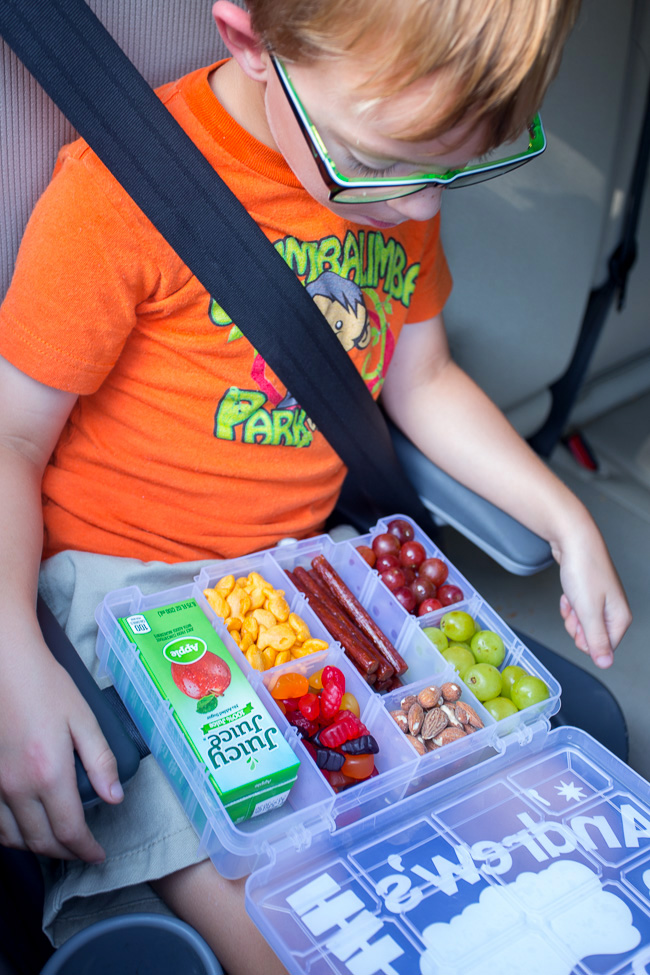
[{"x": 346, "y": 189}]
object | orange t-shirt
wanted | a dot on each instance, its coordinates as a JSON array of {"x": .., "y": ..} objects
[{"x": 183, "y": 443}]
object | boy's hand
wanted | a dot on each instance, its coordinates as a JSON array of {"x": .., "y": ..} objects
[
  {"x": 43, "y": 719},
  {"x": 593, "y": 605}
]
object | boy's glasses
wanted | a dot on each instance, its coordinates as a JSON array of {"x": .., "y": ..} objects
[{"x": 348, "y": 189}]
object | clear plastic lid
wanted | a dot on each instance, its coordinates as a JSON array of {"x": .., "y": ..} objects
[{"x": 536, "y": 862}]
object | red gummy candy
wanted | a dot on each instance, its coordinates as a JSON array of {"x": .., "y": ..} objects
[
  {"x": 290, "y": 703},
  {"x": 335, "y": 734},
  {"x": 333, "y": 675},
  {"x": 361, "y": 728},
  {"x": 304, "y": 725},
  {"x": 309, "y": 706},
  {"x": 330, "y": 699}
]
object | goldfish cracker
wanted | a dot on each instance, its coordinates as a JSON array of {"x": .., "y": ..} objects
[
  {"x": 236, "y": 635},
  {"x": 225, "y": 586},
  {"x": 246, "y": 642},
  {"x": 313, "y": 645},
  {"x": 277, "y": 604},
  {"x": 239, "y": 602},
  {"x": 258, "y": 597},
  {"x": 280, "y": 637},
  {"x": 241, "y": 582},
  {"x": 217, "y": 602},
  {"x": 299, "y": 627},
  {"x": 255, "y": 658},
  {"x": 250, "y": 626},
  {"x": 269, "y": 656},
  {"x": 256, "y": 581},
  {"x": 282, "y": 657},
  {"x": 233, "y": 623},
  {"x": 302, "y": 650},
  {"x": 264, "y": 617}
]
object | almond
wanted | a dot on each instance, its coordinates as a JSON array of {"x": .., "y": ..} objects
[
  {"x": 401, "y": 719},
  {"x": 430, "y": 697},
  {"x": 407, "y": 701},
  {"x": 450, "y": 691},
  {"x": 467, "y": 715},
  {"x": 415, "y": 718},
  {"x": 450, "y": 711},
  {"x": 449, "y": 735},
  {"x": 418, "y": 744},
  {"x": 434, "y": 722}
]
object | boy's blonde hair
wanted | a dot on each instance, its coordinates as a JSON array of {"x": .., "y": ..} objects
[{"x": 498, "y": 56}]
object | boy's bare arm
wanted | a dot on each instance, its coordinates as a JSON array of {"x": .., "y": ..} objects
[
  {"x": 459, "y": 428},
  {"x": 42, "y": 715}
]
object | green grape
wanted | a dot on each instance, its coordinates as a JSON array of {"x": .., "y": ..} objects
[
  {"x": 508, "y": 676},
  {"x": 528, "y": 690},
  {"x": 484, "y": 681},
  {"x": 488, "y": 648},
  {"x": 457, "y": 625}
]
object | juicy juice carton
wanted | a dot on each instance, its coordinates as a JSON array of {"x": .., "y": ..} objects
[{"x": 250, "y": 765}]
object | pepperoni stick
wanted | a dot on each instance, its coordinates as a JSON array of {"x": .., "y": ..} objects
[
  {"x": 310, "y": 585},
  {"x": 364, "y": 621},
  {"x": 356, "y": 645}
]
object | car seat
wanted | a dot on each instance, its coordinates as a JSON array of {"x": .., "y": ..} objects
[{"x": 555, "y": 215}]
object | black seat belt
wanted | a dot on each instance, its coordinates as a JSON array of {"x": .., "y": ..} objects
[
  {"x": 565, "y": 390},
  {"x": 86, "y": 73}
]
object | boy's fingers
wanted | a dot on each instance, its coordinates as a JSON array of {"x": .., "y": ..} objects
[
  {"x": 98, "y": 761},
  {"x": 28, "y": 824},
  {"x": 565, "y": 607}
]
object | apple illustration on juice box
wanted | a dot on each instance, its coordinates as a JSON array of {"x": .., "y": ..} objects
[
  {"x": 197, "y": 672},
  {"x": 224, "y": 724}
]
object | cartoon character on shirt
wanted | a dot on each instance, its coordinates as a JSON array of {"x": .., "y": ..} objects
[{"x": 342, "y": 304}]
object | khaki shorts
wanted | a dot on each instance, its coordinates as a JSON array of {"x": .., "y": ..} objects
[{"x": 148, "y": 835}]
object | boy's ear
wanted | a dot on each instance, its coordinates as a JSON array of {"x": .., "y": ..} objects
[{"x": 234, "y": 26}]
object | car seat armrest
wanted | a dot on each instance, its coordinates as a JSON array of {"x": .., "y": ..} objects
[{"x": 501, "y": 537}]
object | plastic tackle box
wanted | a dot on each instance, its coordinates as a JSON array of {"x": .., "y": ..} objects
[{"x": 514, "y": 849}]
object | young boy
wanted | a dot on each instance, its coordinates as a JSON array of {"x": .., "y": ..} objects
[{"x": 139, "y": 421}]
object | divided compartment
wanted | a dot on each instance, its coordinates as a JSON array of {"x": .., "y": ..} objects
[
  {"x": 395, "y": 753},
  {"x": 455, "y": 577},
  {"x": 267, "y": 566}
]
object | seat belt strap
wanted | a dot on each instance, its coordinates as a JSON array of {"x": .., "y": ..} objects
[
  {"x": 81, "y": 67},
  {"x": 565, "y": 390}
]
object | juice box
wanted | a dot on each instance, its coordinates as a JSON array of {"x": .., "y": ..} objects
[{"x": 250, "y": 765}]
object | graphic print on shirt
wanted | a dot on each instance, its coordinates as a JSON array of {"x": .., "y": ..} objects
[{"x": 343, "y": 279}]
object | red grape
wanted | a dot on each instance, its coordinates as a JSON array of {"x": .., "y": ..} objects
[
  {"x": 409, "y": 573},
  {"x": 422, "y": 588},
  {"x": 428, "y": 606},
  {"x": 383, "y": 544},
  {"x": 393, "y": 579},
  {"x": 406, "y": 598},
  {"x": 412, "y": 553},
  {"x": 435, "y": 570},
  {"x": 450, "y": 594},
  {"x": 367, "y": 554},
  {"x": 402, "y": 529},
  {"x": 388, "y": 561}
]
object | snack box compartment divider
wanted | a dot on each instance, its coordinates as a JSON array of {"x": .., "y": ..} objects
[{"x": 312, "y": 808}]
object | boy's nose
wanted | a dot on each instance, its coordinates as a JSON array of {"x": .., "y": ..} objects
[{"x": 422, "y": 205}]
